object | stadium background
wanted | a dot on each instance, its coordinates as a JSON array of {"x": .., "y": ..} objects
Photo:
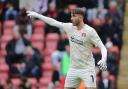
[{"x": 34, "y": 55}]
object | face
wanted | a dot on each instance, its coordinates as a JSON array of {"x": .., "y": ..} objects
[{"x": 75, "y": 19}]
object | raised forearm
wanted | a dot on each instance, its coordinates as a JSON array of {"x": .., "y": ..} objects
[{"x": 46, "y": 19}]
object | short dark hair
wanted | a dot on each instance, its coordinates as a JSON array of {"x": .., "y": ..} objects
[{"x": 80, "y": 11}]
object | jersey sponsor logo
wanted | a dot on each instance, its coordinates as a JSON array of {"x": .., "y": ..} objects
[
  {"x": 83, "y": 34},
  {"x": 73, "y": 39}
]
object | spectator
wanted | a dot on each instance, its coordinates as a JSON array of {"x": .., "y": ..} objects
[
  {"x": 16, "y": 47},
  {"x": 58, "y": 3},
  {"x": 10, "y": 84},
  {"x": 64, "y": 15},
  {"x": 52, "y": 11},
  {"x": 23, "y": 22},
  {"x": 40, "y": 6},
  {"x": 65, "y": 61},
  {"x": 25, "y": 84},
  {"x": 112, "y": 63},
  {"x": 31, "y": 63},
  {"x": 117, "y": 41},
  {"x": 10, "y": 13},
  {"x": 55, "y": 80},
  {"x": 109, "y": 43},
  {"x": 1, "y": 86},
  {"x": 115, "y": 15},
  {"x": 105, "y": 83}
]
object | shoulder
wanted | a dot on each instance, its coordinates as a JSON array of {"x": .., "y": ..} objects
[
  {"x": 89, "y": 29},
  {"x": 67, "y": 24}
]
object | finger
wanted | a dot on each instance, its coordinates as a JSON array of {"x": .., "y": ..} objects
[
  {"x": 105, "y": 68},
  {"x": 99, "y": 63},
  {"x": 29, "y": 15},
  {"x": 101, "y": 68},
  {"x": 28, "y": 11}
]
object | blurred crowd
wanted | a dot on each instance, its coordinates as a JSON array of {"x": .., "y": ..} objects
[{"x": 34, "y": 55}]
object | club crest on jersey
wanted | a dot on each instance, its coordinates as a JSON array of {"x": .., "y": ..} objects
[{"x": 83, "y": 34}]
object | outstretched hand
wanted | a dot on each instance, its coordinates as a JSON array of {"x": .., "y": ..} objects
[
  {"x": 32, "y": 14},
  {"x": 102, "y": 65}
]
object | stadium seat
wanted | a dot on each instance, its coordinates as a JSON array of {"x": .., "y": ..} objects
[
  {"x": 4, "y": 68},
  {"x": 4, "y": 76},
  {"x": 47, "y": 73},
  {"x": 4, "y": 40},
  {"x": 16, "y": 82},
  {"x": 112, "y": 78},
  {"x": 114, "y": 49},
  {"x": 38, "y": 41},
  {"x": 96, "y": 50},
  {"x": 44, "y": 81},
  {"x": 38, "y": 45},
  {"x": 33, "y": 82},
  {"x": 39, "y": 30},
  {"x": 39, "y": 23},
  {"x": 48, "y": 59},
  {"x": 8, "y": 31},
  {"x": 52, "y": 41},
  {"x": 38, "y": 36},
  {"x": 47, "y": 66},
  {"x": 43, "y": 87},
  {"x": 2, "y": 60},
  {"x": 9, "y": 24},
  {"x": 52, "y": 37}
]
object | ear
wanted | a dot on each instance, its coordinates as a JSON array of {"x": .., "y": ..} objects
[{"x": 81, "y": 17}]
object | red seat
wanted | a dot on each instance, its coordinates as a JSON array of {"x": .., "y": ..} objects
[
  {"x": 52, "y": 37},
  {"x": 39, "y": 31},
  {"x": 47, "y": 73},
  {"x": 39, "y": 23},
  {"x": 4, "y": 40},
  {"x": 9, "y": 24},
  {"x": 4, "y": 76},
  {"x": 44, "y": 81},
  {"x": 112, "y": 78},
  {"x": 2, "y": 60},
  {"x": 8, "y": 31},
  {"x": 37, "y": 36},
  {"x": 48, "y": 59},
  {"x": 16, "y": 82},
  {"x": 38, "y": 45},
  {"x": 96, "y": 50},
  {"x": 52, "y": 41},
  {"x": 43, "y": 87},
  {"x": 38, "y": 41},
  {"x": 114, "y": 49},
  {"x": 4, "y": 68},
  {"x": 47, "y": 66},
  {"x": 4, "y": 53},
  {"x": 32, "y": 81}
]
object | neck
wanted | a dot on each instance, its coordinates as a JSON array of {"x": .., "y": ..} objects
[{"x": 81, "y": 25}]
